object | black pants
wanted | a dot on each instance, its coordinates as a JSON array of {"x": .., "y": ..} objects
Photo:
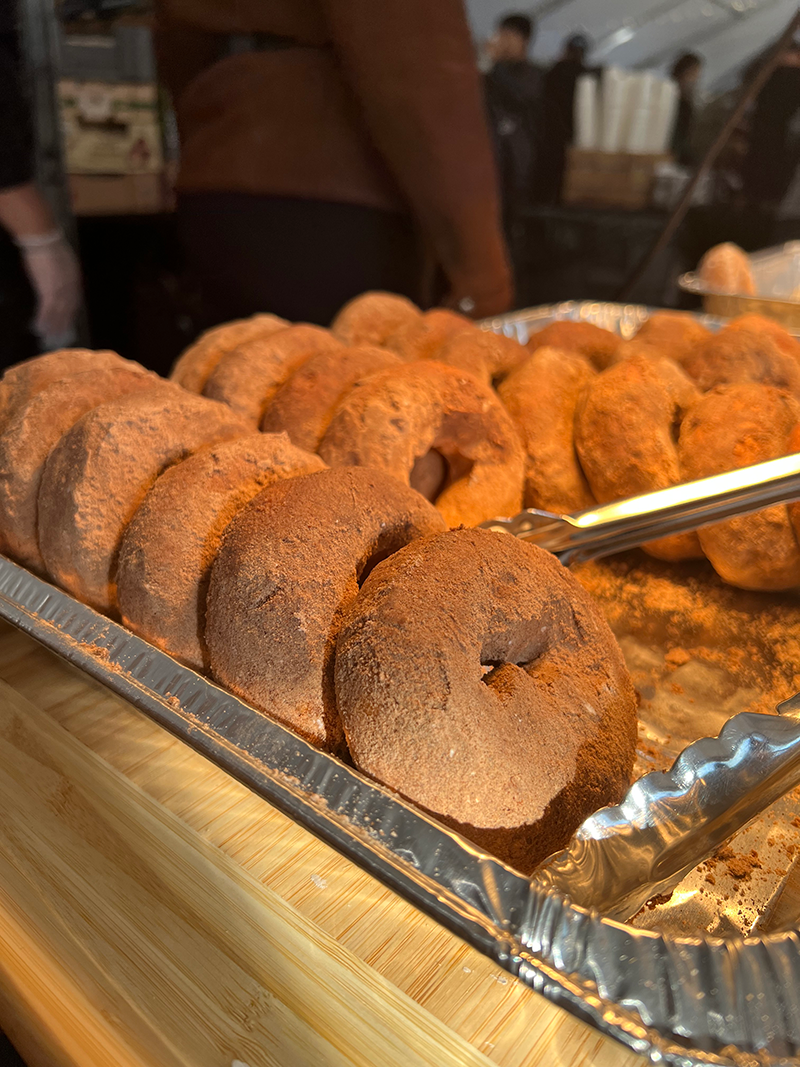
[{"x": 301, "y": 259}]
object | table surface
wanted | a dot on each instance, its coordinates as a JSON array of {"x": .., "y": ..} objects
[{"x": 155, "y": 912}]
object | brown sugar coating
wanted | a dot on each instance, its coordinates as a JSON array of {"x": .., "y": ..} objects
[
  {"x": 598, "y": 345},
  {"x": 100, "y": 471},
  {"x": 734, "y": 426},
  {"x": 194, "y": 366},
  {"x": 303, "y": 406},
  {"x": 626, "y": 436},
  {"x": 740, "y": 355},
  {"x": 726, "y": 268},
  {"x": 396, "y": 417},
  {"x": 485, "y": 354},
  {"x": 24, "y": 380},
  {"x": 788, "y": 344},
  {"x": 172, "y": 540},
  {"x": 794, "y": 509},
  {"x": 515, "y": 758},
  {"x": 287, "y": 569},
  {"x": 372, "y": 318},
  {"x": 541, "y": 397},
  {"x": 423, "y": 337},
  {"x": 248, "y": 378},
  {"x": 34, "y": 431},
  {"x": 675, "y": 334}
]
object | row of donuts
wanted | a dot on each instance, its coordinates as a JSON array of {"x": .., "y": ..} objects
[
  {"x": 677, "y": 403},
  {"x": 334, "y": 600},
  {"x": 593, "y": 417},
  {"x": 427, "y": 422}
]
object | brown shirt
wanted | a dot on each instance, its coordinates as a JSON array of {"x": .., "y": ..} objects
[{"x": 378, "y": 102}]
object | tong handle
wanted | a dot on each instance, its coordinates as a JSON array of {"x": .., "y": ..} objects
[{"x": 627, "y": 523}]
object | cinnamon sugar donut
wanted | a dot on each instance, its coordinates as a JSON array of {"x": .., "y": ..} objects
[
  {"x": 731, "y": 427},
  {"x": 394, "y": 418},
  {"x": 32, "y": 433},
  {"x": 675, "y": 334},
  {"x": 100, "y": 471},
  {"x": 194, "y": 366},
  {"x": 794, "y": 509},
  {"x": 248, "y": 378},
  {"x": 742, "y": 355},
  {"x": 626, "y": 437},
  {"x": 788, "y": 344},
  {"x": 541, "y": 397},
  {"x": 598, "y": 345},
  {"x": 372, "y": 318},
  {"x": 172, "y": 540},
  {"x": 514, "y": 759},
  {"x": 422, "y": 338},
  {"x": 24, "y": 380},
  {"x": 485, "y": 354},
  {"x": 726, "y": 268},
  {"x": 303, "y": 405},
  {"x": 288, "y": 567}
]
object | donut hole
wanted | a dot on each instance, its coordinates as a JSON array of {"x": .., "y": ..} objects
[
  {"x": 429, "y": 474},
  {"x": 437, "y": 470},
  {"x": 501, "y": 651}
]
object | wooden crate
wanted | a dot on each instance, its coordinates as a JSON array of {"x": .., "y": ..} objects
[{"x": 609, "y": 179}]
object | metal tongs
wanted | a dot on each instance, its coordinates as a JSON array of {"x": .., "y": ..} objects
[
  {"x": 611, "y": 528},
  {"x": 622, "y": 856}
]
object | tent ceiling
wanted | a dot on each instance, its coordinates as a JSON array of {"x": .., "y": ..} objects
[{"x": 650, "y": 33}]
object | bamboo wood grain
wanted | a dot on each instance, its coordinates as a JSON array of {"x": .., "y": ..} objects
[{"x": 154, "y": 912}]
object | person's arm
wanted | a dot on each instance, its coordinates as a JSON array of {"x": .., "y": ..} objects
[
  {"x": 24, "y": 213},
  {"x": 412, "y": 68}
]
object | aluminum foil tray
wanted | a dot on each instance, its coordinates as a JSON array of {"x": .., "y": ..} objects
[
  {"x": 694, "y": 991},
  {"x": 776, "y": 272},
  {"x": 678, "y": 1000},
  {"x": 624, "y": 319}
]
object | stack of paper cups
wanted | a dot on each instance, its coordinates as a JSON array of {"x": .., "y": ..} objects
[
  {"x": 586, "y": 112},
  {"x": 642, "y": 97},
  {"x": 665, "y": 108},
  {"x": 615, "y": 84}
]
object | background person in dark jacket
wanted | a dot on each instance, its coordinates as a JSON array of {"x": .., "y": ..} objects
[
  {"x": 685, "y": 71},
  {"x": 513, "y": 89},
  {"x": 773, "y": 152},
  {"x": 558, "y": 105}
]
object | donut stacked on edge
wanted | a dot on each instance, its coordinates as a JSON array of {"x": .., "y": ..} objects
[
  {"x": 240, "y": 554},
  {"x": 477, "y": 678}
]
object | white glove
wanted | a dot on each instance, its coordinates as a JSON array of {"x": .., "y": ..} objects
[{"x": 55, "y": 276}]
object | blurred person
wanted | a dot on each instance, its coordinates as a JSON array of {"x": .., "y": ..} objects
[
  {"x": 558, "y": 107},
  {"x": 686, "y": 72},
  {"x": 325, "y": 146},
  {"x": 513, "y": 87},
  {"x": 47, "y": 259},
  {"x": 773, "y": 151}
]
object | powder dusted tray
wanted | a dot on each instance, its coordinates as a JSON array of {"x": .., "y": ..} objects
[
  {"x": 698, "y": 993},
  {"x": 681, "y": 999}
]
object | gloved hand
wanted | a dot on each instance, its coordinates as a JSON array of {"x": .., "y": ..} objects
[{"x": 55, "y": 276}]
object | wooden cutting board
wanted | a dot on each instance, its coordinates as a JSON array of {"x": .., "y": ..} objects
[{"x": 154, "y": 913}]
